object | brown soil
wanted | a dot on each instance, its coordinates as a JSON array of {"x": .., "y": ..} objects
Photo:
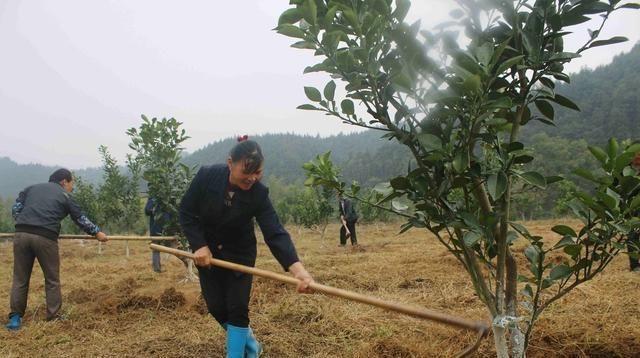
[{"x": 118, "y": 307}]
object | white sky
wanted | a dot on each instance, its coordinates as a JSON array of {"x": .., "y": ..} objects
[{"x": 75, "y": 74}]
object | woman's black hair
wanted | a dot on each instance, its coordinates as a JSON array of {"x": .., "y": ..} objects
[
  {"x": 60, "y": 175},
  {"x": 249, "y": 152}
]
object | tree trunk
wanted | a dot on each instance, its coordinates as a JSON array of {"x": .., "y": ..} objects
[
  {"x": 517, "y": 340},
  {"x": 500, "y": 339},
  {"x": 190, "y": 276}
]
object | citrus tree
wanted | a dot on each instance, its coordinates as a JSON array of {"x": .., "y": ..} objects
[
  {"x": 459, "y": 110},
  {"x": 119, "y": 196},
  {"x": 158, "y": 152}
]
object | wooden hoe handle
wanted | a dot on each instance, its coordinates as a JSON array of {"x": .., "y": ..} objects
[
  {"x": 413, "y": 311},
  {"x": 115, "y": 237}
]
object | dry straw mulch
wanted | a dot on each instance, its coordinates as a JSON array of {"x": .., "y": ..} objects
[{"x": 118, "y": 307}]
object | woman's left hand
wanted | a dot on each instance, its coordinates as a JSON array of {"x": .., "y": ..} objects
[{"x": 305, "y": 280}]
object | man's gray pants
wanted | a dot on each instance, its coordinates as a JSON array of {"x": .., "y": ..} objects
[{"x": 26, "y": 248}]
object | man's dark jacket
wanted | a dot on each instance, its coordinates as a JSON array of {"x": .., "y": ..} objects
[
  {"x": 156, "y": 220},
  {"x": 229, "y": 232},
  {"x": 40, "y": 208},
  {"x": 348, "y": 210}
]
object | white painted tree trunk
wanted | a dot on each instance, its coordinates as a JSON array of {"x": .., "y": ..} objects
[
  {"x": 126, "y": 248},
  {"x": 190, "y": 275},
  {"x": 517, "y": 343},
  {"x": 500, "y": 339}
]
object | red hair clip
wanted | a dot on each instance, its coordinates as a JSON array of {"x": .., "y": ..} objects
[{"x": 243, "y": 138}]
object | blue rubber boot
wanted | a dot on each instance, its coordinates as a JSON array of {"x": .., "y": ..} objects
[
  {"x": 15, "y": 320},
  {"x": 236, "y": 341},
  {"x": 253, "y": 348}
]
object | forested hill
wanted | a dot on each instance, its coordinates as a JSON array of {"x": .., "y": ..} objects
[
  {"x": 609, "y": 99},
  {"x": 15, "y": 177},
  {"x": 362, "y": 156}
]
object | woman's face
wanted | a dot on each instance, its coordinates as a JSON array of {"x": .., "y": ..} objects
[{"x": 239, "y": 177}]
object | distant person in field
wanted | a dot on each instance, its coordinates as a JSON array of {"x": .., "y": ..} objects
[
  {"x": 157, "y": 220},
  {"x": 633, "y": 240},
  {"x": 217, "y": 216},
  {"x": 348, "y": 220},
  {"x": 38, "y": 211}
]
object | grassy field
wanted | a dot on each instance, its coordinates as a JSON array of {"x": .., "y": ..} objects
[{"x": 118, "y": 307}]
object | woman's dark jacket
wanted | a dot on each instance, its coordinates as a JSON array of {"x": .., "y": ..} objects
[{"x": 229, "y": 232}]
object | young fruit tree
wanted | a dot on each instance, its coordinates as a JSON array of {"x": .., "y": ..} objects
[
  {"x": 459, "y": 110},
  {"x": 158, "y": 148},
  {"x": 119, "y": 196},
  {"x": 312, "y": 209},
  {"x": 86, "y": 195}
]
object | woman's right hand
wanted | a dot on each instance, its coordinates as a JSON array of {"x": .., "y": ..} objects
[{"x": 202, "y": 256}]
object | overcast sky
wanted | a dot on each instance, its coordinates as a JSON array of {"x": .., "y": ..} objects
[{"x": 75, "y": 74}]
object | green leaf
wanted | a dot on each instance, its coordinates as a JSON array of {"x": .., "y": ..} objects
[
  {"x": 310, "y": 11},
  {"x": 563, "y": 56},
  {"x": 635, "y": 203},
  {"x": 471, "y": 238},
  {"x": 472, "y": 83},
  {"x": 397, "y": 205},
  {"x": 613, "y": 40},
  {"x": 402, "y": 8},
  {"x": 533, "y": 254},
  {"x": 330, "y": 15},
  {"x": 585, "y": 174},
  {"x": 460, "y": 161},
  {"x": 308, "y": 107},
  {"x": 560, "y": 272},
  {"x": 522, "y": 159},
  {"x": 313, "y": 94},
  {"x": 600, "y": 154},
  {"x": 402, "y": 81},
  {"x": 573, "y": 250},
  {"x": 545, "y": 108},
  {"x": 304, "y": 45},
  {"x": 400, "y": 183},
  {"x": 509, "y": 63},
  {"x": 565, "y": 102},
  {"x": 429, "y": 142},
  {"x": 629, "y": 6},
  {"x": 290, "y": 16},
  {"x": 291, "y": 31},
  {"x": 567, "y": 240},
  {"x": 634, "y": 148},
  {"x": 497, "y": 184},
  {"x": 553, "y": 179},
  {"x": 610, "y": 199},
  {"x": 564, "y": 230},
  {"x": 347, "y": 107},
  {"x": 535, "y": 179},
  {"x": 573, "y": 18},
  {"x": 329, "y": 90},
  {"x": 612, "y": 148}
]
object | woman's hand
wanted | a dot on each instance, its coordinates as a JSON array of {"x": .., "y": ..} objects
[
  {"x": 202, "y": 256},
  {"x": 299, "y": 272}
]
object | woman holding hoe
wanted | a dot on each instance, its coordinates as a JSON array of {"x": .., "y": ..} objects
[{"x": 216, "y": 215}]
